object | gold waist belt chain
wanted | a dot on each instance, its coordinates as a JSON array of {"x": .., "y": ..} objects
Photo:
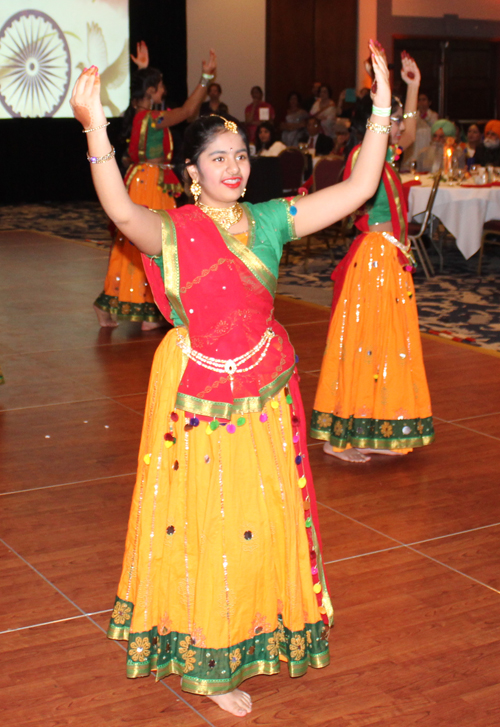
[{"x": 230, "y": 366}]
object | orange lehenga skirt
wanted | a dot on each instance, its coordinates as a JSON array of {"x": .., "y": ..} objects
[
  {"x": 217, "y": 584},
  {"x": 126, "y": 293},
  {"x": 372, "y": 391}
]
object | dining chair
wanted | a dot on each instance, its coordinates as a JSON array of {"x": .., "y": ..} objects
[
  {"x": 292, "y": 168},
  {"x": 326, "y": 173},
  {"x": 492, "y": 227},
  {"x": 416, "y": 231}
]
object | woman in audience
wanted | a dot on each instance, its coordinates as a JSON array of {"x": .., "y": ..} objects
[
  {"x": 295, "y": 120},
  {"x": 150, "y": 181},
  {"x": 222, "y": 575},
  {"x": 257, "y": 111},
  {"x": 325, "y": 111},
  {"x": 372, "y": 395},
  {"x": 473, "y": 140},
  {"x": 266, "y": 143}
]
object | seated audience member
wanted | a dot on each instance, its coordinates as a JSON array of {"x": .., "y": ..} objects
[
  {"x": 346, "y": 103},
  {"x": 325, "y": 110},
  {"x": 257, "y": 111},
  {"x": 430, "y": 159},
  {"x": 295, "y": 120},
  {"x": 425, "y": 113},
  {"x": 488, "y": 153},
  {"x": 342, "y": 136},
  {"x": 315, "y": 140},
  {"x": 214, "y": 105},
  {"x": 473, "y": 140},
  {"x": 311, "y": 100},
  {"x": 266, "y": 143}
]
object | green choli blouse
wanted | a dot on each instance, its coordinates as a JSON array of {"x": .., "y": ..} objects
[{"x": 380, "y": 210}]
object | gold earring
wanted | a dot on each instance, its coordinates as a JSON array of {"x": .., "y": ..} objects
[
  {"x": 243, "y": 193},
  {"x": 195, "y": 189}
]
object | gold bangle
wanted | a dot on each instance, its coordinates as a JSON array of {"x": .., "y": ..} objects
[
  {"x": 101, "y": 160},
  {"x": 410, "y": 115},
  {"x": 378, "y": 128},
  {"x": 102, "y": 126}
]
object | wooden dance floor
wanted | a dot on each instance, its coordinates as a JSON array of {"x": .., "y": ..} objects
[{"x": 412, "y": 544}]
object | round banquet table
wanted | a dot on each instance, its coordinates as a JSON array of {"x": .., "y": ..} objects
[{"x": 463, "y": 210}]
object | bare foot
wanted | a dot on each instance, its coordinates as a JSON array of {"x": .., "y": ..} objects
[
  {"x": 391, "y": 452},
  {"x": 348, "y": 455},
  {"x": 105, "y": 318},
  {"x": 151, "y": 325},
  {"x": 236, "y": 702}
]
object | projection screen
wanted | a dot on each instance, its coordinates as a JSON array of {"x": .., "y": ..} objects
[{"x": 44, "y": 44}]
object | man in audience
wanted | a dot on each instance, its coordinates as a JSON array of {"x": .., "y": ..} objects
[
  {"x": 430, "y": 159},
  {"x": 214, "y": 105},
  {"x": 319, "y": 143},
  {"x": 341, "y": 138},
  {"x": 488, "y": 153}
]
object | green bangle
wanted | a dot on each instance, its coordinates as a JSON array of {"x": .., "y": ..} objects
[
  {"x": 377, "y": 111},
  {"x": 208, "y": 76}
]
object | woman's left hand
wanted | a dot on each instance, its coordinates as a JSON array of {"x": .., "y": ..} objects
[
  {"x": 381, "y": 88},
  {"x": 409, "y": 70},
  {"x": 210, "y": 66}
]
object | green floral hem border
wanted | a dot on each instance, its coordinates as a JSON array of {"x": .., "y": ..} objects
[
  {"x": 373, "y": 433},
  {"x": 215, "y": 671},
  {"x": 128, "y": 311}
]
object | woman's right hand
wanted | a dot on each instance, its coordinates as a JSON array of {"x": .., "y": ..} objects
[
  {"x": 381, "y": 88},
  {"x": 86, "y": 100}
]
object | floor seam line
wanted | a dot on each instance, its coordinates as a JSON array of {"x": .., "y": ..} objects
[
  {"x": 451, "y": 535},
  {"x": 413, "y": 550},
  {"x": 68, "y": 484},
  {"x": 55, "y": 621},
  {"x": 475, "y": 431},
  {"x": 454, "y": 570},
  {"x": 362, "y": 555},
  {"x": 67, "y": 598},
  {"x": 162, "y": 681}
]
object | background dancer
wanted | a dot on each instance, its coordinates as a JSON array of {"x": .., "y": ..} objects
[
  {"x": 150, "y": 181},
  {"x": 372, "y": 394}
]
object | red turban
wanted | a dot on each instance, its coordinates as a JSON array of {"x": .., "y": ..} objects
[{"x": 493, "y": 126}]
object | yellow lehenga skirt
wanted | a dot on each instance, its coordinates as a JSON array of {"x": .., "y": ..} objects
[
  {"x": 127, "y": 294},
  {"x": 217, "y": 584},
  {"x": 372, "y": 390}
]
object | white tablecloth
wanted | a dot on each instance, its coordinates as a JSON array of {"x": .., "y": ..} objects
[{"x": 462, "y": 211}]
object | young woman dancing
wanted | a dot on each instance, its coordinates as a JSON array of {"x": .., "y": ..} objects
[
  {"x": 372, "y": 395},
  {"x": 222, "y": 575},
  {"x": 150, "y": 181}
]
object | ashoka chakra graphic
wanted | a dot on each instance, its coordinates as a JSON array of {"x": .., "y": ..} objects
[{"x": 34, "y": 65}]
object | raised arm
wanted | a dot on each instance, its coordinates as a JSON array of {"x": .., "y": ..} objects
[
  {"x": 323, "y": 208},
  {"x": 190, "y": 107},
  {"x": 411, "y": 76},
  {"x": 141, "y": 60},
  {"x": 140, "y": 225}
]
